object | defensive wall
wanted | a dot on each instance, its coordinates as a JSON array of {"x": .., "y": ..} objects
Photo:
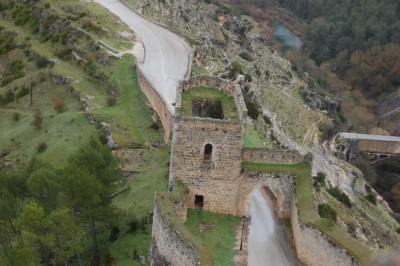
[
  {"x": 157, "y": 103},
  {"x": 313, "y": 247},
  {"x": 168, "y": 247},
  {"x": 257, "y": 155}
]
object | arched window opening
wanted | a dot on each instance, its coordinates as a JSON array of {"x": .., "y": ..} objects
[{"x": 208, "y": 152}]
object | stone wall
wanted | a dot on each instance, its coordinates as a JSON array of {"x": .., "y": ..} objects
[
  {"x": 282, "y": 186},
  {"x": 272, "y": 156},
  {"x": 225, "y": 86},
  {"x": 216, "y": 179},
  {"x": 168, "y": 247},
  {"x": 313, "y": 247},
  {"x": 157, "y": 103}
]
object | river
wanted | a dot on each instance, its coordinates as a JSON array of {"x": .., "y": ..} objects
[{"x": 268, "y": 243}]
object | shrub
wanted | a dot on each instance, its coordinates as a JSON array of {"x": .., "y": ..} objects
[
  {"x": 398, "y": 230},
  {"x": 267, "y": 120},
  {"x": 371, "y": 198},
  {"x": 326, "y": 211},
  {"x": 111, "y": 101},
  {"x": 16, "y": 117},
  {"x": 22, "y": 92},
  {"x": 340, "y": 196},
  {"x": 351, "y": 228},
  {"x": 41, "y": 62},
  {"x": 246, "y": 56},
  {"x": 37, "y": 119},
  {"x": 237, "y": 67},
  {"x": 41, "y": 147},
  {"x": 133, "y": 224},
  {"x": 59, "y": 106},
  {"x": 114, "y": 234},
  {"x": 319, "y": 179}
]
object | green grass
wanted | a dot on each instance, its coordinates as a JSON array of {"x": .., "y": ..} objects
[
  {"x": 138, "y": 202},
  {"x": 307, "y": 210},
  {"x": 252, "y": 139},
  {"x": 228, "y": 103},
  {"x": 130, "y": 119},
  {"x": 220, "y": 237},
  {"x": 199, "y": 71},
  {"x": 166, "y": 202}
]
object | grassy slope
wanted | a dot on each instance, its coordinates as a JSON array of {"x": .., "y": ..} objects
[
  {"x": 252, "y": 139},
  {"x": 130, "y": 119},
  {"x": 220, "y": 238},
  {"x": 228, "y": 103},
  {"x": 307, "y": 211},
  {"x": 138, "y": 202}
]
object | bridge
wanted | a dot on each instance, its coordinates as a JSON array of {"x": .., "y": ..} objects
[{"x": 379, "y": 146}]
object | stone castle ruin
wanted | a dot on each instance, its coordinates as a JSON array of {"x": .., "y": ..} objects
[
  {"x": 207, "y": 150},
  {"x": 207, "y": 136}
]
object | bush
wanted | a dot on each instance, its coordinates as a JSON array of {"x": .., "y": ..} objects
[
  {"x": 371, "y": 198},
  {"x": 16, "y": 117},
  {"x": 398, "y": 230},
  {"x": 114, "y": 234},
  {"x": 41, "y": 147},
  {"x": 133, "y": 224},
  {"x": 22, "y": 92},
  {"x": 246, "y": 56},
  {"x": 41, "y": 62},
  {"x": 111, "y": 101},
  {"x": 319, "y": 180},
  {"x": 237, "y": 67},
  {"x": 340, "y": 196},
  {"x": 59, "y": 106},
  {"x": 326, "y": 211},
  {"x": 37, "y": 119}
]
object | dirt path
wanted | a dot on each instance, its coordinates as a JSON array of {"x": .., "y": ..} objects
[{"x": 167, "y": 56}]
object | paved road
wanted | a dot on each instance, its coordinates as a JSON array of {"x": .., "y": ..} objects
[
  {"x": 268, "y": 244},
  {"x": 166, "y": 55}
]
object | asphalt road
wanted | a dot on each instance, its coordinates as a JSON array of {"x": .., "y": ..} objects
[{"x": 167, "y": 56}]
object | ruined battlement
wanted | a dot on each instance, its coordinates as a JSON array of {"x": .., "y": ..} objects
[
  {"x": 227, "y": 87},
  {"x": 261, "y": 155}
]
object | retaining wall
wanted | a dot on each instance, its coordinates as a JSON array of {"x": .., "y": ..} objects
[
  {"x": 313, "y": 247},
  {"x": 157, "y": 103}
]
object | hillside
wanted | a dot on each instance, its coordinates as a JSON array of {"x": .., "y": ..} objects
[
  {"x": 229, "y": 46},
  {"x": 68, "y": 93}
]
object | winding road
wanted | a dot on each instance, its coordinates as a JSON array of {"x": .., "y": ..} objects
[{"x": 167, "y": 56}]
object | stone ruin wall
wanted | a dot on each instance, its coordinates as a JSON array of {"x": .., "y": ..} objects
[
  {"x": 282, "y": 186},
  {"x": 168, "y": 247},
  {"x": 313, "y": 247},
  {"x": 227, "y": 87},
  {"x": 256, "y": 155},
  {"x": 217, "y": 179},
  {"x": 157, "y": 103}
]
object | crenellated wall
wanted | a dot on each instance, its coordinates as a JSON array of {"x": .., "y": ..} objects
[
  {"x": 157, "y": 103},
  {"x": 256, "y": 155}
]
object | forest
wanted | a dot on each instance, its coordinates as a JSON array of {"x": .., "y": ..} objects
[
  {"x": 359, "y": 40},
  {"x": 53, "y": 216}
]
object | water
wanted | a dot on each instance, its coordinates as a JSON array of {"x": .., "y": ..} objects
[
  {"x": 267, "y": 242},
  {"x": 286, "y": 37}
]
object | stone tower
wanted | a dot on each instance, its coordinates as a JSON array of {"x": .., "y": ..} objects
[{"x": 208, "y": 136}]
